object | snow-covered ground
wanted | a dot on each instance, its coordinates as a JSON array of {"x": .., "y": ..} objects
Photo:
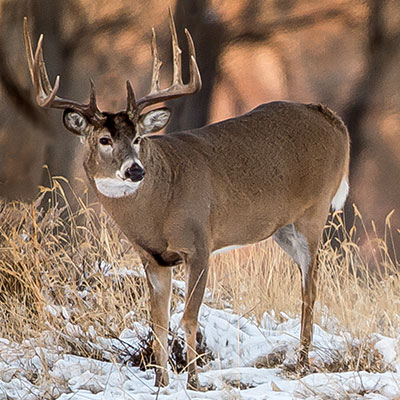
[{"x": 32, "y": 370}]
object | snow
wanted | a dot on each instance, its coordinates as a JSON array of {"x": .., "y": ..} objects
[
  {"x": 390, "y": 350},
  {"x": 32, "y": 370}
]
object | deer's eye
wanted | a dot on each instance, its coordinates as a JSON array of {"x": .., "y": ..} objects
[{"x": 105, "y": 141}]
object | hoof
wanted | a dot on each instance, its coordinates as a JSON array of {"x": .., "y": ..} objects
[
  {"x": 194, "y": 384},
  {"x": 162, "y": 379},
  {"x": 304, "y": 367}
]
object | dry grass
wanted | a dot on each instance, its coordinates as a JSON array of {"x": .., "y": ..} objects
[
  {"x": 360, "y": 288},
  {"x": 66, "y": 259},
  {"x": 59, "y": 274}
]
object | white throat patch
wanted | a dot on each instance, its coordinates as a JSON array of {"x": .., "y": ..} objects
[{"x": 115, "y": 188}]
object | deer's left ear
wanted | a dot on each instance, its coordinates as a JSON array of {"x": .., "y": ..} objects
[
  {"x": 75, "y": 122},
  {"x": 154, "y": 120}
]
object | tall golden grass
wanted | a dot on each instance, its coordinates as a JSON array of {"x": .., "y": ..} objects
[
  {"x": 60, "y": 268},
  {"x": 358, "y": 284}
]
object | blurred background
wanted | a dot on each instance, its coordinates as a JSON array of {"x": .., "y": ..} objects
[{"x": 344, "y": 53}]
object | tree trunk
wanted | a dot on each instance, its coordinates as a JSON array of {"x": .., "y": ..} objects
[
  {"x": 48, "y": 19},
  {"x": 208, "y": 35},
  {"x": 30, "y": 136}
]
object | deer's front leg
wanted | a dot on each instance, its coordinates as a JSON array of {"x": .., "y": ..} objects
[
  {"x": 159, "y": 282},
  {"x": 197, "y": 271}
]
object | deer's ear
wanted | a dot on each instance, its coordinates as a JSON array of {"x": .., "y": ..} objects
[
  {"x": 75, "y": 122},
  {"x": 154, "y": 120}
]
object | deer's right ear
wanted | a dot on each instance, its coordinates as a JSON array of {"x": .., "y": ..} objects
[
  {"x": 154, "y": 120},
  {"x": 75, "y": 122}
]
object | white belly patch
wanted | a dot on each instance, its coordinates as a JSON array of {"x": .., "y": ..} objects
[
  {"x": 228, "y": 248},
  {"x": 114, "y": 187}
]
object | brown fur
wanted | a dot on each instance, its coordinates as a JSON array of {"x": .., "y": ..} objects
[
  {"x": 234, "y": 182},
  {"x": 273, "y": 171}
]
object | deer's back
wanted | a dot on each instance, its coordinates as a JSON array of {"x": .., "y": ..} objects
[
  {"x": 279, "y": 144},
  {"x": 277, "y": 159}
]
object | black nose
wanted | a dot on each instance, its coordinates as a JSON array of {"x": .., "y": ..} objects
[{"x": 135, "y": 173}]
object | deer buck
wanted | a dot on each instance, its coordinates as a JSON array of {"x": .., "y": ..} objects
[{"x": 272, "y": 172}]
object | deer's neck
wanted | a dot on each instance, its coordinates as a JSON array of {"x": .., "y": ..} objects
[
  {"x": 140, "y": 215},
  {"x": 156, "y": 156}
]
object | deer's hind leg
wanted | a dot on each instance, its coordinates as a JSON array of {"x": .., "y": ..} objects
[
  {"x": 300, "y": 241},
  {"x": 197, "y": 272}
]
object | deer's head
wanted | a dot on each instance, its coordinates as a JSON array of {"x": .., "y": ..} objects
[
  {"x": 112, "y": 146},
  {"x": 112, "y": 140}
]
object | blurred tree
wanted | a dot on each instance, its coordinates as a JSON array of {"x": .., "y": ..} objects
[
  {"x": 66, "y": 29},
  {"x": 209, "y": 35},
  {"x": 380, "y": 50},
  {"x": 302, "y": 40},
  {"x": 35, "y": 137},
  {"x": 381, "y": 55},
  {"x": 213, "y": 38}
]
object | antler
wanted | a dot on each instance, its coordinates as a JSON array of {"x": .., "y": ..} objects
[
  {"x": 177, "y": 88},
  {"x": 46, "y": 95}
]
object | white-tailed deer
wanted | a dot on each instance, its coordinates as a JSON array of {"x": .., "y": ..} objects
[{"x": 274, "y": 171}]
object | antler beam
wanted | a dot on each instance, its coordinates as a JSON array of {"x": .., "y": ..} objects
[
  {"x": 177, "y": 88},
  {"x": 46, "y": 95}
]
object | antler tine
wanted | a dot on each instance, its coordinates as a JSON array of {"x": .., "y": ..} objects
[
  {"x": 49, "y": 100},
  {"x": 195, "y": 77},
  {"x": 192, "y": 50},
  {"x": 36, "y": 68},
  {"x": 177, "y": 88},
  {"x": 92, "y": 97},
  {"x": 157, "y": 63},
  {"x": 131, "y": 101},
  {"x": 46, "y": 95},
  {"x": 176, "y": 51},
  {"x": 43, "y": 72},
  {"x": 28, "y": 48}
]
